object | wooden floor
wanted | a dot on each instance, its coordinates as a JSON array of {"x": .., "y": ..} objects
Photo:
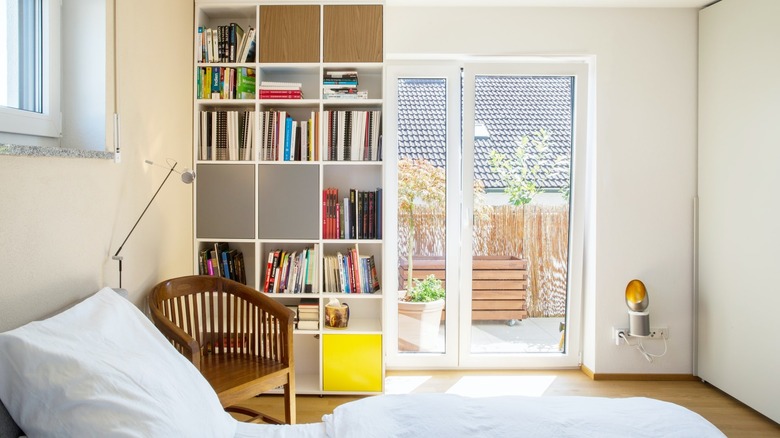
[{"x": 732, "y": 417}]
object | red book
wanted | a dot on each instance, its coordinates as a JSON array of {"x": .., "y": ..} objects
[
  {"x": 281, "y": 94},
  {"x": 268, "y": 268},
  {"x": 337, "y": 221},
  {"x": 332, "y": 228},
  {"x": 325, "y": 214}
]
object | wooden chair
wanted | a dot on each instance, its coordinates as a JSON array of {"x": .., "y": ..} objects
[{"x": 239, "y": 339}]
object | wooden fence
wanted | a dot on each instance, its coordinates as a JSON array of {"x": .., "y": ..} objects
[{"x": 539, "y": 233}]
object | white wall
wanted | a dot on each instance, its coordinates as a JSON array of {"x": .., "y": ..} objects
[
  {"x": 645, "y": 150},
  {"x": 61, "y": 219},
  {"x": 739, "y": 100}
]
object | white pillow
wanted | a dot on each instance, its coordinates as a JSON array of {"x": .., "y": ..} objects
[{"x": 101, "y": 368}]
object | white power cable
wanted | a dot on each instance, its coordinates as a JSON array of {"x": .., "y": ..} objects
[{"x": 639, "y": 346}]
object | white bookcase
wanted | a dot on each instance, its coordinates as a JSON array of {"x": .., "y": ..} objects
[{"x": 256, "y": 205}]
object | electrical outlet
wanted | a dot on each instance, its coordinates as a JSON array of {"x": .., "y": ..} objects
[
  {"x": 616, "y": 332},
  {"x": 655, "y": 333},
  {"x": 659, "y": 333}
]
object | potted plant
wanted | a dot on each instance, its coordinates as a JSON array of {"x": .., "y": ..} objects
[
  {"x": 419, "y": 314},
  {"x": 421, "y": 184}
]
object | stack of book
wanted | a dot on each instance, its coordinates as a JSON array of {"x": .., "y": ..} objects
[
  {"x": 291, "y": 271},
  {"x": 357, "y": 216},
  {"x": 308, "y": 314},
  {"x": 353, "y": 135},
  {"x": 350, "y": 273},
  {"x": 227, "y": 135},
  {"x": 284, "y": 139},
  {"x": 222, "y": 261},
  {"x": 226, "y": 43},
  {"x": 226, "y": 83},
  {"x": 340, "y": 84},
  {"x": 280, "y": 90}
]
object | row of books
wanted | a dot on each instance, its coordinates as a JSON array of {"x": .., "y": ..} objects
[
  {"x": 226, "y": 83},
  {"x": 339, "y": 84},
  {"x": 222, "y": 261},
  {"x": 280, "y": 90},
  {"x": 353, "y": 135},
  {"x": 358, "y": 215},
  {"x": 225, "y": 43},
  {"x": 284, "y": 139},
  {"x": 227, "y": 135},
  {"x": 291, "y": 271},
  {"x": 307, "y": 314},
  {"x": 350, "y": 273}
]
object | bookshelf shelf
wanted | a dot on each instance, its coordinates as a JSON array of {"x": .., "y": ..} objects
[{"x": 260, "y": 199}]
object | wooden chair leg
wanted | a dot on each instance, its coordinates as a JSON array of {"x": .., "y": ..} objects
[
  {"x": 256, "y": 416},
  {"x": 289, "y": 400}
]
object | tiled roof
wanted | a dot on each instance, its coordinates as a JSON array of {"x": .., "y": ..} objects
[{"x": 508, "y": 106}]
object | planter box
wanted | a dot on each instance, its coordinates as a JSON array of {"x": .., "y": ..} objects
[{"x": 498, "y": 283}]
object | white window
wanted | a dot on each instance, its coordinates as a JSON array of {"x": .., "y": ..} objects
[{"x": 29, "y": 68}]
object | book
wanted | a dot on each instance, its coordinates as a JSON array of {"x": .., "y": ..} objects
[
  {"x": 288, "y": 122},
  {"x": 340, "y": 74},
  {"x": 276, "y": 85},
  {"x": 245, "y": 83},
  {"x": 240, "y": 268},
  {"x": 236, "y": 35},
  {"x": 375, "y": 287},
  {"x": 308, "y": 315},
  {"x": 279, "y": 94},
  {"x": 309, "y": 325},
  {"x": 247, "y": 46}
]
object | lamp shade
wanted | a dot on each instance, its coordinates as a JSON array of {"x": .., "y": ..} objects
[
  {"x": 636, "y": 296},
  {"x": 637, "y": 301}
]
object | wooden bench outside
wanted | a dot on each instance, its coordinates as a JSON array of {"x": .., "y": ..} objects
[{"x": 499, "y": 285}]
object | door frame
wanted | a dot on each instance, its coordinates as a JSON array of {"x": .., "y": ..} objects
[{"x": 459, "y": 236}]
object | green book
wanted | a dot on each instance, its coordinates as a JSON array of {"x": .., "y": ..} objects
[{"x": 245, "y": 83}]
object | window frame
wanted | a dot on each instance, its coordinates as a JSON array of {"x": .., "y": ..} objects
[{"x": 48, "y": 122}]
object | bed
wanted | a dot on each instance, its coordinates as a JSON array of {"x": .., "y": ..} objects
[{"x": 102, "y": 369}]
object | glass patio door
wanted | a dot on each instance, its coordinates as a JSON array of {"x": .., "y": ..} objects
[
  {"x": 512, "y": 285},
  {"x": 424, "y": 121},
  {"x": 521, "y": 244}
]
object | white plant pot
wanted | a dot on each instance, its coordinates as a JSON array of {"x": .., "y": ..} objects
[{"x": 418, "y": 325}]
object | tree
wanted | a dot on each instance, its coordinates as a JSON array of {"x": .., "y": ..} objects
[
  {"x": 422, "y": 183},
  {"x": 519, "y": 174},
  {"x": 418, "y": 181}
]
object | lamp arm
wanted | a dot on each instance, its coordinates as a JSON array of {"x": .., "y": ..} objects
[{"x": 141, "y": 216}]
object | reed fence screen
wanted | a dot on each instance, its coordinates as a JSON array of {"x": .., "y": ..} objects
[{"x": 539, "y": 233}]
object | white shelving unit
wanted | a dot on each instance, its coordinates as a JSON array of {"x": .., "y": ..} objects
[{"x": 257, "y": 206}]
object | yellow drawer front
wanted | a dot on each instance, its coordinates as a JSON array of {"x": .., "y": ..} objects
[{"x": 352, "y": 363}]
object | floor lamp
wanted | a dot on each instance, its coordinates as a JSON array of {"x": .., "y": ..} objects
[{"x": 187, "y": 177}]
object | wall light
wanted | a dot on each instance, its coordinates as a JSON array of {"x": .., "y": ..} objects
[
  {"x": 637, "y": 301},
  {"x": 187, "y": 177}
]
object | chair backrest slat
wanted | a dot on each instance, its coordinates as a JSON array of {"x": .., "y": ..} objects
[{"x": 223, "y": 317}]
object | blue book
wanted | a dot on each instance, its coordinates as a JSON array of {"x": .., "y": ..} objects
[
  {"x": 225, "y": 266},
  {"x": 215, "y": 80},
  {"x": 287, "y": 137}
]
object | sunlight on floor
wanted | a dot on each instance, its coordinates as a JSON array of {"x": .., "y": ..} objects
[
  {"x": 404, "y": 384},
  {"x": 475, "y": 386},
  {"x": 489, "y": 386}
]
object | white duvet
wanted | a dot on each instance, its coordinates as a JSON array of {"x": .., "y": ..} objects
[
  {"x": 449, "y": 415},
  {"x": 102, "y": 369}
]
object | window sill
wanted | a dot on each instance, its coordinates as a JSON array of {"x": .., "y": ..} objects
[{"x": 43, "y": 151}]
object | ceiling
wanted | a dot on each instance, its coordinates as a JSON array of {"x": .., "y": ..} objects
[{"x": 559, "y": 3}]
